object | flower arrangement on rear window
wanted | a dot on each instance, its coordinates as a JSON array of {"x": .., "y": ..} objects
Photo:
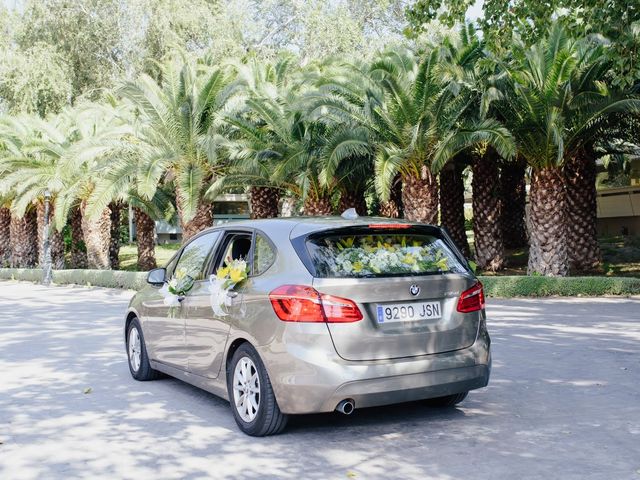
[{"x": 362, "y": 256}]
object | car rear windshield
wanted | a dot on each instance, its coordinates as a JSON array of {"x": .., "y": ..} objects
[{"x": 375, "y": 254}]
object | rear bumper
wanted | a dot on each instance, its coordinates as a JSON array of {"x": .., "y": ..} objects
[{"x": 310, "y": 381}]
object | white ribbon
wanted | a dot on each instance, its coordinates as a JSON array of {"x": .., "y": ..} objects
[
  {"x": 170, "y": 299},
  {"x": 218, "y": 295}
]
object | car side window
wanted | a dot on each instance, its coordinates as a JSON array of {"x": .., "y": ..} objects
[
  {"x": 194, "y": 256},
  {"x": 263, "y": 255},
  {"x": 236, "y": 246}
]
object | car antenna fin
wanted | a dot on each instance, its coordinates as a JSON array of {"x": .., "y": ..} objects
[{"x": 350, "y": 214}]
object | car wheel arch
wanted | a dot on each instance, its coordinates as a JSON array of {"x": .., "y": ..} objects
[{"x": 130, "y": 316}]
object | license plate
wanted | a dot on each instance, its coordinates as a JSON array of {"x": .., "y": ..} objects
[{"x": 408, "y": 312}]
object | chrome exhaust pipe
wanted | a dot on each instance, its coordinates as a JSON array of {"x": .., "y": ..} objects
[{"x": 346, "y": 407}]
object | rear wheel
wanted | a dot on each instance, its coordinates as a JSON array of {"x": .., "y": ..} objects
[
  {"x": 139, "y": 365},
  {"x": 447, "y": 401},
  {"x": 251, "y": 396}
]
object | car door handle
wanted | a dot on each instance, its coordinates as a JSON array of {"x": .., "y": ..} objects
[{"x": 232, "y": 294}]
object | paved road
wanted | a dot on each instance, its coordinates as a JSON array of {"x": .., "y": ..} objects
[{"x": 563, "y": 402}]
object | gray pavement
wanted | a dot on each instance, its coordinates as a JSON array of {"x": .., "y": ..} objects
[{"x": 563, "y": 402}]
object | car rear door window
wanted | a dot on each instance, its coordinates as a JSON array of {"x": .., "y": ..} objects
[{"x": 374, "y": 254}]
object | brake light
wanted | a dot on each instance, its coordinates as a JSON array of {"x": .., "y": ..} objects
[
  {"x": 390, "y": 226},
  {"x": 298, "y": 303},
  {"x": 471, "y": 300}
]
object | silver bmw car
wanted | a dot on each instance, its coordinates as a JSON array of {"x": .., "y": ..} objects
[{"x": 305, "y": 315}]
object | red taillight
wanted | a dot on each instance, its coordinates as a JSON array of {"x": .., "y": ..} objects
[
  {"x": 390, "y": 226},
  {"x": 297, "y": 303},
  {"x": 471, "y": 300}
]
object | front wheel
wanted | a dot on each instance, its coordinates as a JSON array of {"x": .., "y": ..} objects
[
  {"x": 139, "y": 365},
  {"x": 251, "y": 396}
]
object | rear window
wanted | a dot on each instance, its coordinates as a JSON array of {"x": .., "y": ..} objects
[{"x": 381, "y": 254}]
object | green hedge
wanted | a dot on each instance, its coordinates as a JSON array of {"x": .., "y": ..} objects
[
  {"x": 499, "y": 286},
  {"x": 521, "y": 286},
  {"x": 96, "y": 278}
]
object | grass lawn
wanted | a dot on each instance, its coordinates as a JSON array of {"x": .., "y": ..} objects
[{"x": 129, "y": 255}]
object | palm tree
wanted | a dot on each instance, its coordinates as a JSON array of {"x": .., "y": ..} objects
[
  {"x": 5, "y": 235},
  {"x": 452, "y": 202},
  {"x": 271, "y": 146},
  {"x": 412, "y": 118},
  {"x": 27, "y": 174},
  {"x": 174, "y": 138},
  {"x": 554, "y": 110}
]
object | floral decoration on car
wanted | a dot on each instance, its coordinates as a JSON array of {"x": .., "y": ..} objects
[
  {"x": 225, "y": 280},
  {"x": 176, "y": 288},
  {"x": 362, "y": 256}
]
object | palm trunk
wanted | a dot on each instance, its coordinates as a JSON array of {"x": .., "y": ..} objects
[
  {"x": 546, "y": 222},
  {"x": 24, "y": 240},
  {"x": 114, "y": 240},
  {"x": 353, "y": 199},
  {"x": 582, "y": 232},
  {"x": 315, "y": 206},
  {"x": 5, "y": 237},
  {"x": 514, "y": 194},
  {"x": 202, "y": 219},
  {"x": 393, "y": 208},
  {"x": 97, "y": 237},
  {"x": 56, "y": 240},
  {"x": 145, "y": 239},
  {"x": 264, "y": 202},
  {"x": 78, "y": 254},
  {"x": 420, "y": 197},
  {"x": 452, "y": 206},
  {"x": 487, "y": 204}
]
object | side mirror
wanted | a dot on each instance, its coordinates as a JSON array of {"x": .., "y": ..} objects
[{"x": 157, "y": 276}]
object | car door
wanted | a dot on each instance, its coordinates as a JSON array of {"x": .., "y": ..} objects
[
  {"x": 206, "y": 332},
  {"x": 166, "y": 325}
]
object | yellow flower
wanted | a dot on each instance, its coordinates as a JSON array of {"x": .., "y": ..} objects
[
  {"x": 347, "y": 242},
  {"x": 222, "y": 273},
  {"x": 180, "y": 274},
  {"x": 236, "y": 275},
  {"x": 357, "y": 267},
  {"x": 442, "y": 264},
  {"x": 409, "y": 259}
]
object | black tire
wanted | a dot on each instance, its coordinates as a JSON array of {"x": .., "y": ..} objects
[
  {"x": 447, "y": 401},
  {"x": 269, "y": 420},
  {"x": 144, "y": 371}
]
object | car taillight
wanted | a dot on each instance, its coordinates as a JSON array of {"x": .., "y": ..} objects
[
  {"x": 471, "y": 300},
  {"x": 298, "y": 303}
]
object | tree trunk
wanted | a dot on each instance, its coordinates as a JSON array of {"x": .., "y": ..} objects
[
  {"x": 24, "y": 240},
  {"x": 487, "y": 204},
  {"x": 78, "y": 254},
  {"x": 317, "y": 206},
  {"x": 393, "y": 208},
  {"x": 514, "y": 195},
  {"x": 56, "y": 240},
  {"x": 97, "y": 238},
  {"x": 145, "y": 239},
  {"x": 353, "y": 199},
  {"x": 114, "y": 239},
  {"x": 582, "y": 231},
  {"x": 201, "y": 220},
  {"x": 5, "y": 237},
  {"x": 264, "y": 202},
  {"x": 452, "y": 206},
  {"x": 420, "y": 197},
  {"x": 546, "y": 222}
]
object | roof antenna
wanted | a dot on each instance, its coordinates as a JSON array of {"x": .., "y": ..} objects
[{"x": 350, "y": 214}]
